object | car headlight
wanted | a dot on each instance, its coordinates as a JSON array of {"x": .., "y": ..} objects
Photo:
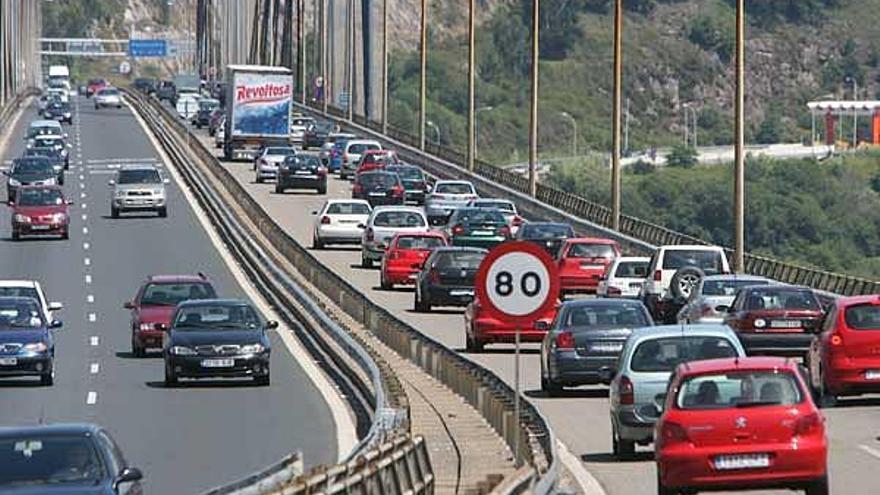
[
  {"x": 179, "y": 350},
  {"x": 35, "y": 347},
  {"x": 49, "y": 182},
  {"x": 63, "y": 152},
  {"x": 119, "y": 194},
  {"x": 158, "y": 192},
  {"x": 760, "y": 323},
  {"x": 59, "y": 218},
  {"x": 252, "y": 349},
  {"x": 67, "y": 115},
  {"x": 19, "y": 218},
  {"x": 13, "y": 182}
]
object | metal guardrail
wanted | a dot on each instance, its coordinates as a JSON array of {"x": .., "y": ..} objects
[
  {"x": 481, "y": 388},
  {"x": 555, "y": 203},
  {"x": 14, "y": 104}
]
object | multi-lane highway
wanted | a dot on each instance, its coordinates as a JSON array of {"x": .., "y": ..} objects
[
  {"x": 185, "y": 439},
  {"x": 579, "y": 417}
]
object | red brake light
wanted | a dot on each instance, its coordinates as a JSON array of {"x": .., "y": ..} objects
[
  {"x": 836, "y": 340},
  {"x": 505, "y": 231},
  {"x": 357, "y": 188},
  {"x": 397, "y": 191},
  {"x": 808, "y": 424},
  {"x": 626, "y": 392},
  {"x": 325, "y": 220},
  {"x": 393, "y": 254},
  {"x": 673, "y": 433},
  {"x": 658, "y": 275},
  {"x": 457, "y": 230},
  {"x": 565, "y": 341},
  {"x": 614, "y": 291},
  {"x": 517, "y": 221},
  {"x": 369, "y": 234},
  {"x": 433, "y": 276},
  {"x": 345, "y": 157}
]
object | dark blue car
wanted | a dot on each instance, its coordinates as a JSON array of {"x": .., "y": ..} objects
[
  {"x": 64, "y": 460},
  {"x": 26, "y": 344}
]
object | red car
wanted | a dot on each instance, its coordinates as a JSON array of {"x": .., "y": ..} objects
[
  {"x": 845, "y": 358},
  {"x": 94, "y": 86},
  {"x": 779, "y": 320},
  {"x": 40, "y": 210},
  {"x": 405, "y": 255},
  {"x": 155, "y": 303},
  {"x": 481, "y": 329},
  {"x": 377, "y": 160},
  {"x": 740, "y": 423},
  {"x": 583, "y": 262}
]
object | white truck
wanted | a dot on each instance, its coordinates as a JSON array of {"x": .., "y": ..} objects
[
  {"x": 258, "y": 106},
  {"x": 59, "y": 77}
]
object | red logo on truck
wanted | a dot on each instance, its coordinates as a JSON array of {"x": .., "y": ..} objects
[{"x": 263, "y": 93}]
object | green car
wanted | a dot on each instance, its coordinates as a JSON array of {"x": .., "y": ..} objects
[{"x": 477, "y": 227}]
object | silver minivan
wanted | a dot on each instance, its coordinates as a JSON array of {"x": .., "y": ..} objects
[{"x": 138, "y": 188}]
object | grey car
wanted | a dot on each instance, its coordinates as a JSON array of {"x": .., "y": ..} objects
[
  {"x": 643, "y": 370},
  {"x": 138, "y": 188},
  {"x": 585, "y": 338},
  {"x": 713, "y": 291}
]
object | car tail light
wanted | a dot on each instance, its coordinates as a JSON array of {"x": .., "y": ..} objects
[
  {"x": 673, "y": 433},
  {"x": 370, "y": 234},
  {"x": 357, "y": 188},
  {"x": 433, "y": 276},
  {"x": 808, "y": 424},
  {"x": 658, "y": 275},
  {"x": 345, "y": 157},
  {"x": 393, "y": 254},
  {"x": 836, "y": 340},
  {"x": 565, "y": 341},
  {"x": 517, "y": 221},
  {"x": 457, "y": 230},
  {"x": 322, "y": 171},
  {"x": 626, "y": 392},
  {"x": 614, "y": 291},
  {"x": 325, "y": 220},
  {"x": 397, "y": 191},
  {"x": 505, "y": 231}
]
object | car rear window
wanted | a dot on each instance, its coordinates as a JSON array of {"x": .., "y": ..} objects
[
  {"x": 727, "y": 287},
  {"x": 631, "y": 269},
  {"x": 771, "y": 298},
  {"x": 591, "y": 251},
  {"x": 108, "y": 92},
  {"x": 498, "y": 205},
  {"x": 863, "y": 317},
  {"x": 420, "y": 242},
  {"x": 281, "y": 151},
  {"x": 708, "y": 261},
  {"x": 401, "y": 219},
  {"x": 171, "y": 294},
  {"x": 605, "y": 315},
  {"x": 664, "y": 354},
  {"x": 454, "y": 188},
  {"x": 357, "y": 149},
  {"x": 371, "y": 181},
  {"x": 409, "y": 173},
  {"x": 348, "y": 209},
  {"x": 477, "y": 215},
  {"x": 739, "y": 389},
  {"x": 546, "y": 231},
  {"x": 459, "y": 259}
]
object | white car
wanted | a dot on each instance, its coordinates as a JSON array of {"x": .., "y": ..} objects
[
  {"x": 220, "y": 133},
  {"x": 351, "y": 155},
  {"x": 30, "y": 288},
  {"x": 324, "y": 154},
  {"x": 187, "y": 105},
  {"x": 298, "y": 127},
  {"x": 340, "y": 221},
  {"x": 624, "y": 278},
  {"x": 270, "y": 158},
  {"x": 507, "y": 207},
  {"x": 447, "y": 196},
  {"x": 673, "y": 273},
  {"x": 383, "y": 224},
  {"x": 59, "y": 93},
  {"x": 108, "y": 97}
]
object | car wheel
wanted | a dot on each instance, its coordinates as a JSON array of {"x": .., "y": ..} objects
[
  {"x": 818, "y": 487},
  {"x": 826, "y": 399},
  {"x": 65, "y": 235},
  {"x": 263, "y": 380},
  {"x": 170, "y": 377},
  {"x": 114, "y": 212},
  {"x": 383, "y": 282},
  {"x": 259, "y": 179},
  {"x": 623, "y": 449},
  {"x": 421, "y": 306},
  {"x": 61, "y": 180},
  {"x": 16, "y": 235},
  {"x": 279, "y": 189},
  {"x": 549, "y": 387},
  {"x": 662, "y": 490},
  {"x": 136, "y": 350},
  {"x": 48, "y": 379},
  {"x": 163, "y": 212},
  {"x": 316, "y": 243},
  {"x": 366, "y": 262},
  {"x": 322, "y": 190}
]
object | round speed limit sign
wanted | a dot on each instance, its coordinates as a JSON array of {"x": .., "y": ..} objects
[{"x": 517, "y": 282}]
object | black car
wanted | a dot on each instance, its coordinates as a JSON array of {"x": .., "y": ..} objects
[
  {"x": 59, "y": 162},
  {"x": 202, "y": 116},
  {"x": 30, "y": 171},
  {"x": 548, "y": 235},
  {"x": 146, "y": 85},
  {"x": 52, "y": 141},
  {"x": 216, "y": 338},
  {"x": 447, "y": 277},
  {"x": 587, "y": 337},
  {"x": 415, "y": 183},
  {"x": 316, "y": 134},
  {"x": 301, "y": 172},
  {"x": 166, "y": 90},
  {"x": 58, "y": 110},
  {"x": 27, "y": 347},
  {"x": 64, "y": 459},
  {"x": 379, "y": 188},
  {"x": 217, "y": 116}
]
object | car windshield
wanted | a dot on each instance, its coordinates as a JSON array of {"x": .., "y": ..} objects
[
  {"x": 348, "y": 209},
  {"x": 407, "y": 173},
  {"x": 708, "y": 261},
  {"x": 305, "y": 161},
  {"x": 664, "y": 354},
  {"x": 44, "y": 131},
  {"x": 19, "y": 292},
  {"x": 40, "y": 197},
  {"x": 33, "y": 166},
  {"x": 478, "y": 215},
  {"x": 739, "y": 389},
  {"x": 863, "y": 317},
  {"x": 546, "y": 231},
  {"x": 215, "y": 316},
  {"x": 778, "y": 298},
  {"x": 399, "y": 219},
  {"x": 454, "y": 188},
  {"x": 50, "y": 152},
  {"x": 20, "y": 313},
  {"x": 727, "y": 287},
  {"x": 48, "y": 460},
  {"x": 140, "y": 176},
  {"x": 165, "y": 294},
  {"x": 581, "y": 250},
  {"x": 629, "y": 315},
  {"x": 497, "y": 205},
  {"x": 631, "y": 269},
  {"x": 377, "y": 181},
  {"x": 420, "y": 242},
  {"x": 208, "y": 105},
  {"x": 359, "y": 148},
  {"x": 281, "y": 151},
  {"x": 47, "y": 143},
  {"x": 469, "y": 260}
]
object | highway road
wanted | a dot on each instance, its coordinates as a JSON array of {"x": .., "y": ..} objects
[
  {"x": 580, "y": 416},
  {"x": 186, "y": 439}
]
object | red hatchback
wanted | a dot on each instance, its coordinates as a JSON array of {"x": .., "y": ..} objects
[
  {"x": 377, "y": 160},
  {"x": 155, "y": 302},
  {"x": 40, "y": 210},
  {"x": 405, "y": 255},
  {"x": 480, "y": 328},
  {"x": 740, "y": 424},
  {"x": 845, "y": 358},
  {"x": 583, "y": 262}
]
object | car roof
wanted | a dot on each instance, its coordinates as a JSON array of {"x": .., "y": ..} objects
[
  {"x": 359, "y": 201},
  {"x": 53, "y": 429},
  {"x": 459, "y": 249},
  {"x": 453, "y": 181},
  {"x": 844, "y": 302},
  {"x": 139, "y": 166},
  {"x": 170, "y": 279},
  {"x": 430, "y": 233},
  {"x": 382, "y": 208},
  {"x": 18, "y": 283},
  {"x": 737, "y": 363},
  {"x": 214, "y": 302},
  {"x": 362, "y": 141},
  {"x": 50, "y": 137},
  {"x": 546, "y": 224},
  {"x": 779, "y": 287},
  {"x": 492, "y": 200},
  {"x": 631, "y": 259},
  {"x": 591, "y": 240},
  {"x": 45, "y": 123},
  {"x": 601, "y": 301},
  {"x": 699, "y": 330}
]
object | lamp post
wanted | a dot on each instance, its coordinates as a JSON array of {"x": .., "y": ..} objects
[
  {"x": 739, "y": 177},
  {"x": 436, "y": 131},
  {"x": 574, "y": 136},
  {"x": 423, "y": 65},
  {"x": 476, "y": 115},
  {"x": 618, "y": 92},
  {"x": 533, "y": 129}
]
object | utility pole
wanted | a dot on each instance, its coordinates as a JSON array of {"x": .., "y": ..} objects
[
  {"x": 739, "y": 172},
  {"x": 351, "y": 60},
  {"x": 618, "y": 91},
  {"x": 303, "y": 63},
  {"x": 384, "y": 66},
  {"x": 471, "y": 145},
  {"x": 325, "y": 54},
  {"x": 423, "y": 77},
  {"x": 533, "y": 113}
]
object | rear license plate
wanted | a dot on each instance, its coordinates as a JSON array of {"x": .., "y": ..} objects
[
  {"x": 461, "y": 293},
  {"x": 606, "y": 347},
  {"x": 39, "y": 227},
  {"x": 748, "y": 461},
  {"x": 635, "y": 285},
  {"x": 785, "y": 324},
  {"x": 482, "y": 232},
  {"x": 8, "y": 361},
  {"x": 303, "y": 172},
  {"x": 872, "y": 375},
  {"x": 592, "y": 267},
  {"x": 218, "y": 363}
]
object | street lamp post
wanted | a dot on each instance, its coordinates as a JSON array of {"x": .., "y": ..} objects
[
  {"x": 436, "y": 131},
  {"x": 739, "y": 177},
  {"x": 533, "y": 132},
  {"x": 574, "y": 136},
  {"x": 618, "y": 92}
]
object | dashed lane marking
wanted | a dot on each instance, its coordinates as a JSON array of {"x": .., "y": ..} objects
[
  {"x": 88, "y": 279},
  {"x": 92, "y": 398},
  {"x": 87, "y": 262},
  {"x": 90, "y": 298},
  {"x": 85, "y": 230},
  {"x": 93, "y": 317},
  {"x": 93, "y": 341},
  {"x": 86, "y": 245},
  {"x": 870, "y": 451},
  {"x": 94, "y": 368}
]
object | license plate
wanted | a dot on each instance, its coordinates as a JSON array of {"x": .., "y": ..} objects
[
  {"x": 749, "y": 461},
  {"x": 482, "y": 232},
  {"x": 460, "y": 293},
  {"x": 592, "y": 267},
  {"x": 872, "y": 375},
  {"x": 785, "y": 324},
  {"x": 303, "y": 172},
  {"x": 635, "y": 285},
  {"x": 606, "y": 347},
  {"x": 40, "y": 227},
  {"x": 376, "y": 194},
  {"x": 218, "y": 363},
  {"x": 8, "y": 361}
]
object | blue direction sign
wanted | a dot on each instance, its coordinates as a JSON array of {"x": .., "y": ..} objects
[{"x": 147, "y": 48}]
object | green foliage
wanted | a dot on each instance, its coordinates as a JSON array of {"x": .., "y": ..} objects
[
  {"x": 74, "y": 19},
  {"x": 772, "y": 12},
  {"x": 713, "y": 34},
  {"x": 769, "y": 133},
  {"x": 682, "y": 156}
]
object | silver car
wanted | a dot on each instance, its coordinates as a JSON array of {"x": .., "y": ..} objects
[
  {"x": 138, "y": 188},
  {"x": 714, "y": 291},
  {"x": 384, "y": 222},
  {"x": 108, "y": 97},
  {"x": 624, "y": 278},
  {"x": 447, "y": 196},
  {"x": 648, "y": 359},
  {"x": 270, "y": 158}
]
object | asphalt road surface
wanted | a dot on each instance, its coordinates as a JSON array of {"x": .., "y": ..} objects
[{"x": 186, "y": 439}]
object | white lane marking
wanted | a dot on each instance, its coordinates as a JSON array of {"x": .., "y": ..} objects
[
  {"x": 589, "y": 484},
  {"x": 92, "y": 398},
  {"x": 93, "y": 341},
  {"x": 82, "y": 185},
  {"x": 87, "y": 261},
  {"x": 88, "y": 279},
  {"x": 94, "y": 368},
  {"x": 86, "y": 245},
  {"x": 85, "y": 230},
  {"x": 83, "y": 206},
  {"x": 82, "y": 177},
  {"x": 93, "y": 317},
  {"x": 90, "y": 298},
  {"x": 82, "y": 195},
  {"x": 85, "y": 217},
  {"x": 870, "y": 451},
  {"x": 346, "y": 435}
]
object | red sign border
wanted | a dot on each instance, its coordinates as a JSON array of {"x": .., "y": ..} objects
[{"x": 507, "y": 248}]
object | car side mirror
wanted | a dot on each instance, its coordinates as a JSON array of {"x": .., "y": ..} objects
[
  {"x": 55, "y": 306},
  {"x": 606, "y": 375},
  {"x": 56, "y": 324},
  {"x": 111, "y": 183},
  {"x": 10, "y": 203},
  {"x": 314, "y": 212},
  {"x": 127, "y": 475},
  {"x": 659, "y": 402},
  {"x": 161, "y": 327},
  {"x": 361, "y": 226},
  {"x": 271, "y": 325},
  {"x": 542, "y": 326},
  {"x": 69, "y": 202},
  {"x": 128, "y": 305}
]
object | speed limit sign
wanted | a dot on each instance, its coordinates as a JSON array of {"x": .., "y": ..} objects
[{"x": 517, "y": 282}]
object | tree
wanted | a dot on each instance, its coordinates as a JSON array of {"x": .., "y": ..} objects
[
  {"x": 768, "y": 133},
  {"x": 682, "y": 156}
]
